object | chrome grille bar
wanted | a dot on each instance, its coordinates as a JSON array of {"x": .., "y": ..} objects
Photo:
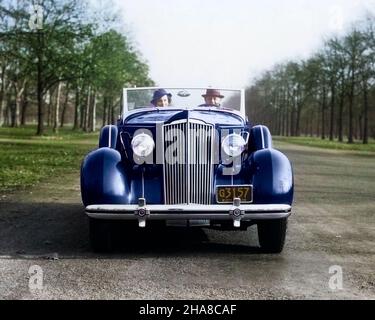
[{"x": 188, "y": 163}]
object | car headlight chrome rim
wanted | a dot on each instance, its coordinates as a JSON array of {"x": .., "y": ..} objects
[
  {"x": 233, "y": 144},
  {"x": 142, "y": 145}
]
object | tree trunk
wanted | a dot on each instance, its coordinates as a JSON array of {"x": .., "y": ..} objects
[
  {"x": 8, "y": 111},
  {"x": 341, "y": 117},
  {"x": 359, "y": 130},
  {"x": 109, "y": 111},
  {"x": 76, "y": 109},
  {"x": 17, "y": 109},
  {"x": 24, "y": 105},
  {"x": 298, "y": 119},
  {"x": 93, "y": 116},
  {"x": 105, "y": 106},
  {"x": 281, "y": 111},
  {"x": 49, "y": 105},
  {"x": 87, "y": 113},
  {"x": 323, "y": 113},
  {"x": 292, "y": 120},
  {"x": 350, "y": 128},
  {"x": 318, "y": 122},
  {"x": 332, "y": 115},
  {"x": 287, "y": 121},
  {"x": 113, "y": 109},
  {"x": 286, "y": 124},
  {"x": 65, "y": 105},
  {"x": 40, "y": 130},
  {"x": 365, "y": 115},
  {"x": 351, "y": 102},
  {"x": 83, "y": 110},
  {"x": 2, "y": 95},
  {"x": 12, "y": 109},
  {"x": 18, "y": 91},
  {"x": 57, "y": 109}
]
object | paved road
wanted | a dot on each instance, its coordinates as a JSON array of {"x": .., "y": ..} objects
[{"x": 332, "y": 228}]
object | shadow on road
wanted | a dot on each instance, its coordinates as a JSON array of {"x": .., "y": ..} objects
[{"x": 59, "y": 230}]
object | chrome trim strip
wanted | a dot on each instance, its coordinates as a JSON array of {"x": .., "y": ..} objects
[
  {"x": 110, "y": 136},
  {"x": 123, "y": 208},
  {"x": 261, "y": 132},
  {"x": 185, "y": 216},
  {"x": 178, "y": 166},
  {"x": 164, "y": 177},
  {"x": 212, "y": 158},
  {"x": 187, "y": 166}
]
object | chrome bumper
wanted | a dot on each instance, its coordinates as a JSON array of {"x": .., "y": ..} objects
[{"x": 235, "y": 212}]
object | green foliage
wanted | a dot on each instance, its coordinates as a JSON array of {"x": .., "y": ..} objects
[
  {"x": 75, "y": 46},
  {"x": 113, "y": 64},
  {"x": 330, "y": 94}
]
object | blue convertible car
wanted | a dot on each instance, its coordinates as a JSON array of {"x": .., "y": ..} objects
[{"x": 189, "y": 162}]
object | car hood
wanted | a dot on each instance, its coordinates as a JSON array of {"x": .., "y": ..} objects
[{"x": 215, "y": 116}]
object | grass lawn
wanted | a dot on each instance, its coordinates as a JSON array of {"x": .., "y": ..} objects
[
  {"x": 26, "y": 159},
  {"x": 319, "y": 143}
]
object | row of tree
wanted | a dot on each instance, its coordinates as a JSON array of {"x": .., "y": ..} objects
[
  {"x": 331, "y": 94},
  {"x": 61, "y": 61}
]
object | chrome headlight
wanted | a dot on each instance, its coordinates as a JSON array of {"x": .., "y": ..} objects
[
  {"x": 142, "y": 145},
  {"x": 233, "y": 144}
]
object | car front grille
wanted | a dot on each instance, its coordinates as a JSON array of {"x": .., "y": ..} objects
[{"x": 188, "y": 162}]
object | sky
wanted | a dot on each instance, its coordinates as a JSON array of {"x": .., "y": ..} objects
[{"x": 227, "y": 43}]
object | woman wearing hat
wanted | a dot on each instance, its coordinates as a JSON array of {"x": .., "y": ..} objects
[
  {"x": 161, "y": 98},
  {"x": 212, "y": 97}
]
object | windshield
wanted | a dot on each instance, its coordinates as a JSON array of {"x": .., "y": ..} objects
[{"x": 137, "y": 98}]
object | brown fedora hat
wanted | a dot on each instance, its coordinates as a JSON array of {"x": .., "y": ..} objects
[{"x": 212, "y": 93}]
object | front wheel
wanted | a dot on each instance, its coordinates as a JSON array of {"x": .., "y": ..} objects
[
  {"x": 271, "y": 235},
  {"x": 100, "y": 235}
]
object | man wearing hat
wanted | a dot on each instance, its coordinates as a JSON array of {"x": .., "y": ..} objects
[
  {"x": 212, "y": 97},
  {"x": 161, "y": 98}
]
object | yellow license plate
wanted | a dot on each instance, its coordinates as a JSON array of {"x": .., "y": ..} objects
[{"x": 226, "y": 194}]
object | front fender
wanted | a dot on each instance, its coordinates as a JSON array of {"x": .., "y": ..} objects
[
  {"x": 108, "y": 136},
  {"x": 103, "y": 178},
  {"x": 272, "y": 177},
  {"x": 260, "y": 138}
]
